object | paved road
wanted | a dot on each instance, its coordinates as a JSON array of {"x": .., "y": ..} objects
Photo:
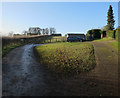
[{"x": 23, "y": 75}]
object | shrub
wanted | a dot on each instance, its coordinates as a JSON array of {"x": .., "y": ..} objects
[
  {"x": 117, "y": 34},
  {"x": 96, "y": 33},
  {"x": 103, "y": 32},
  {"x": 89, "y": 33},
  {"x": 111, "y": 33}
]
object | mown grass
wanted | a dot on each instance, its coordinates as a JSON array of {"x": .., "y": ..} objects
[
  {"x": 67, "y": 58},
  {"x": 103, "y": 39},
  {"x": 115, "y": 45}
]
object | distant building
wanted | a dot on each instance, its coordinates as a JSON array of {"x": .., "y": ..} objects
[{"x": 56, "y": 34}]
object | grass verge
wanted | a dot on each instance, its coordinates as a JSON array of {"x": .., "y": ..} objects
[
  {"x": 67, "y": 58},
  {"x": 7, "y": 49},
  {"x": 103, "y": 39},
  {"x": 115, "y": 45}
]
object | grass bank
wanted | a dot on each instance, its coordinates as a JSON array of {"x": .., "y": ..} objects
[
  {"x": 67, "y": 58},
  {"x": 8, "y": 48},
  {"x": 103, "y": 39},
  {"x": 115, "y": 45}
]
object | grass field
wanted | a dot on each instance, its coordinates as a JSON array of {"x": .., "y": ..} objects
[
  {"x": 67, "y": 58},
  {"x": 54, "y": 39}
]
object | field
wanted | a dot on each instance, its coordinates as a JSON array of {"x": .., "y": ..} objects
[
  {"x": 67, "y": 58},
  {"x": 54, "y": 39}
]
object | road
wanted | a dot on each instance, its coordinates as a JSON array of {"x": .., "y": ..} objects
[{"x": 23, "y": 75}]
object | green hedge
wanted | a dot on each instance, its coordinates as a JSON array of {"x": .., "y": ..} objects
[
  {"x": 110, "y": 33},
  {"x": 102, "y": 32},
  {"x": 94, "y": 33},
  {"x": 117, "y": 34}
]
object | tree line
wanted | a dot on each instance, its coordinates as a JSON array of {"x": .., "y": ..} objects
[
  {"x": 39, "y": 31},
  {"x": 35, "y": 31}
]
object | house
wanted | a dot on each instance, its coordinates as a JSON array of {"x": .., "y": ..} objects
[{"x": 56, "y": 34}]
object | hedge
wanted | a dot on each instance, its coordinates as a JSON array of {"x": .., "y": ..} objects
[
  {"x": 117, "y": 34},
  {"x": 110, "y": 33},
  {"x": 94, "y": 33}
]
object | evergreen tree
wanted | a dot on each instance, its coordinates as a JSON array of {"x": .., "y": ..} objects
[{"x": 110, "y": 20}]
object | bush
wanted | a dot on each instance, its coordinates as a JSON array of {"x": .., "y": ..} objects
[
  {"x": 111, "y": 33},
  {"x": 89, "y": 35},
  {"x": 117, "y": 34},
  {"x": 96, "y": 33},
  {"x": 103, "y": 32}
]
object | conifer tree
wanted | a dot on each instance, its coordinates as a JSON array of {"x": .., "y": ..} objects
[{"x": 110, "y": 20}]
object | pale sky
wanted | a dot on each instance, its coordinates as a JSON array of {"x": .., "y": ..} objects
[{"x": 64, "y": 16}]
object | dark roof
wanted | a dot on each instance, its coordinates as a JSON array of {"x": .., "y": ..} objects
[{"x": 75, "y": 34}]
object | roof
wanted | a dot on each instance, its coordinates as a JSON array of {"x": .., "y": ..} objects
[{"x": 74, "y": 34}]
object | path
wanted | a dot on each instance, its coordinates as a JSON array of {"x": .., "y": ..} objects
[{"x": 24, "y": 76}]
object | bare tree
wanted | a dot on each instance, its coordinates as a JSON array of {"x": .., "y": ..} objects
[
  {"x": 43, "y": 31},
  {"x": 50, "y": 31},
  {"x": 47, "y": 31},
  {"x": 54, "y": 30},
  {"x": 24, "y": 32},
  {"x": 39, "y": 31},
  {"x": 10, "y": 34}
]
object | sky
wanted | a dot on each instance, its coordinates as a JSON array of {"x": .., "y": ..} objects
[{"x": 64, "y": 16}]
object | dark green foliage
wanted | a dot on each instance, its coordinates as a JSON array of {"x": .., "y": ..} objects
[
  {"x": 110, "y": 33},
  {"x": 110, "y": 20},
  {"x": 5, "y": 50},
  {"x": 94, "y": 33},
  {"x": 117, "y": 34},
  {"x": 103, "y": 32},
  {"x": 89, "y": 33}
]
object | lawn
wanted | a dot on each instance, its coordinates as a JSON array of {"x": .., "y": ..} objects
[
  {"x": 67, "y": 58},
  {"x": 115, "y": 45}
]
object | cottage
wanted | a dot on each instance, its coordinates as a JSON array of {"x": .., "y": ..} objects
[{"x": 56, "y": 34}]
